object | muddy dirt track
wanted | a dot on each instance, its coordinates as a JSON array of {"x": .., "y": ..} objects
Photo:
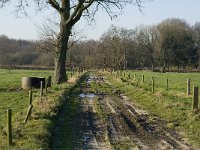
[{"x": 111, "y": 121}]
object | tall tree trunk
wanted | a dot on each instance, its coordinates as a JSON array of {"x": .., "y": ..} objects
[
  {"x": 61, "y": 50},
  {"x": 152, "y": 67},
  {"x": 152, "y": 63},
  {"x": 164, "y": 67}
]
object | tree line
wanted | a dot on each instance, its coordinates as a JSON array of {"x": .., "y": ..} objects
[
  {"x": 22, "y": 53},
  {"x": 171, "y": 44}
]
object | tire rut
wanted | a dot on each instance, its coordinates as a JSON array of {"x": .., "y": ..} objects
[{"x": 121, "y": 125}]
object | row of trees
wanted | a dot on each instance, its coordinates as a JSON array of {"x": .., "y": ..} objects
[
  {"x": 22, "y": 52},
  {"x": 69, "y": 13},
  {"x": 171, "y": 43}
]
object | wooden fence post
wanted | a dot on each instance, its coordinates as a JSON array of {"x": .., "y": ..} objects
[
  {"x": 142, "y": 78},
  {"x": 28, "y": 113},
  {"x": 9, "y": 127},
  {"x": 48, "y": 81},
  {"x": 188, "y": 87},
  {"x": 152, "y": 79},
  {"x": 195, "y": 100},
  {"x": 167, "y": 84},
  {"x": 30, "y": 97},
  {"x": 129, "y": 76},
  {"x": 41, "y": 90}
]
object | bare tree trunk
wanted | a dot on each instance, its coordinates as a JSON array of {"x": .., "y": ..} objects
[
  {"x": 152, "y": 64},
  {"x": 60, "y": 70},
  {"x": 152, "y": 67},
  {"x": 164, "y": 67},
  {"x": 61, "y": 50}
]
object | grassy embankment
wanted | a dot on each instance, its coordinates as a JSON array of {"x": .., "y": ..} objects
[
  {"x": 36, "y": 132},
  {"x": 173, "y": 105}
]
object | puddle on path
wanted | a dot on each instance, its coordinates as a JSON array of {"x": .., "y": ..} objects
[{"x": 87, "y": 95}]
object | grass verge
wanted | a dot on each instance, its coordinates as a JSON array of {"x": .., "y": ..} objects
[
  {"x": 36, "y": 133},
  {"x": 174, "y": 110}
]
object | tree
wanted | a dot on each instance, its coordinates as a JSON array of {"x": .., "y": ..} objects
[
  {"x": 70, "y": 12},
  {"x": 126, "y": 37},
  {"x": 112, "y": 49},
  {"x": 146, "y": 39},
  {"x": 196, "y": 29},
  {"x": 177, "y": 43}
]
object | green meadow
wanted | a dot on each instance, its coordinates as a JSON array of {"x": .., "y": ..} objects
[
  {"x": 177, "y": 82},
  {"x": 172, "y": 105},
  {"x": 14, "y": 97}
]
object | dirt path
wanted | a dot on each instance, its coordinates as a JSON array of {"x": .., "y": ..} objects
[{"x": 112, "y": 121}]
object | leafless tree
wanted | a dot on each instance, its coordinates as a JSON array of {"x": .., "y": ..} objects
[{"x": 70, "y": 12}]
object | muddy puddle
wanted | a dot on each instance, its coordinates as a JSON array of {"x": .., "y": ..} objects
[{"x": 87, "y": 95}]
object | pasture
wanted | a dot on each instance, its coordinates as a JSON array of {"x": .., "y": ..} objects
[
  {"x": 177, "y": 82},
  {"x": 14, "y": 97},
  {"x": 171, "y": 105}
]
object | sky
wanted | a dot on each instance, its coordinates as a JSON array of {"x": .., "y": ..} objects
[{"x": 153, "y": 12}]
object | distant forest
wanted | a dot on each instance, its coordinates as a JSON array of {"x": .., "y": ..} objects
[{"x": 172, "y": 45}]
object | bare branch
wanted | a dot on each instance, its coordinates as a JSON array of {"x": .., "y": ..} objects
[
  {"x": 55, "y": 5},
  {"x": 20, "y": 8},
  {"x": 3, "y": 3},
  {"x": 79, "y": 12}
]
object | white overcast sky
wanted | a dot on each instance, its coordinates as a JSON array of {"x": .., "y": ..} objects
[{"x": 154, "y": 11}]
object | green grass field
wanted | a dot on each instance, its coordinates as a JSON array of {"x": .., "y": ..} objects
[
  {"x": 36, "y": 133},
  {"x": 14, "y": 97},
  {"x": 173, "y": 105},
  {"x": 177, "y": 81}
]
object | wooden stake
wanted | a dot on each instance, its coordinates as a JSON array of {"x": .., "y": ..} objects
[
  {"x": 41, "y": 90},
  {"x": 188, "y": 87},
  {"x": 195, "y": 100},
  {"x": 167, "y": 84},
  {"x": 129, "y": 76},
  {"x": 30, "y": 97},
  {"x": 28, "y": 113},
  {"x": 152, "y": 79},
  {"x": 142, "y": 78},
  {"x": 9, "y": 127},
  {"x": 48, "y": 81}
]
